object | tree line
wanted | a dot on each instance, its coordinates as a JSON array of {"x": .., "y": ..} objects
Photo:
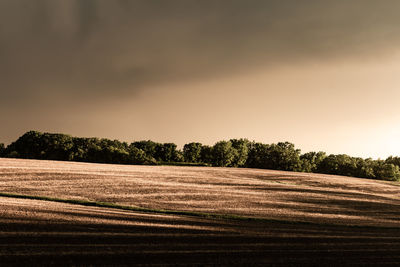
[{"x": 232, "y": 153}]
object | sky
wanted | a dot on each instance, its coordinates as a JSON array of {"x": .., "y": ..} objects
[{"x": 322, "y": 74}]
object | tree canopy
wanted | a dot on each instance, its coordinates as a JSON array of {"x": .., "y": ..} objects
[{"x": 231, "y": 153}]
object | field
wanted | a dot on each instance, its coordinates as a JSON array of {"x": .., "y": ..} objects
[{"x": 192, "y": 216}]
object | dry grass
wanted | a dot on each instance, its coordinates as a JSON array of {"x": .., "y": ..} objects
[
  {"x": 247, "y": 192},
  {"x": 43, "y": 233}
]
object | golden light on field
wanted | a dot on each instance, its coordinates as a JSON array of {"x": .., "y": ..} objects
[
  {"x": 321, "y": 75},
  {"x": 281, "y": 195},
  {"x": 302, "y": 218}
]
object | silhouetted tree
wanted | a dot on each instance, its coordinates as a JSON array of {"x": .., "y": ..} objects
[
  {"x": 37, "y": 145},
  {"x": 2, "y": 150}
]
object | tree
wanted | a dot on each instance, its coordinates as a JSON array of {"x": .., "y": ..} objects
[
  {"x": 257, "y": 155},
  {"x": 57, "y": 146},
  {"x": 342, "y": 164},
  {"x": 2, "y": 150},
  {"x": 311, "y": 160},
  {"x": 223, "y": 154},
  {"x": 38, "y": 145},
  {"x": 282, "y": 156},
  {"x": 26, "y": 146},
  {"x": 393, "y": 160},
  {"x": 107, "y": 151},
  {"x": 365, "y": 168},
  {"x": 206, "y": 154},
  {"x": 149, "y": 147},
  {"x": 386, "y": 171},
  {"x": 138, "y": 156},
  {"x": 242, "y": 148},
  {"x": 166, "y": 152},
  {"x": 178, "y": 156},
  {"x": 80, "y": 149},
  {"x": 192, "y": 152}
]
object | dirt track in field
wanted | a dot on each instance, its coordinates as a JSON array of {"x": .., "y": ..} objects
[{"x": 351, "y": 221}]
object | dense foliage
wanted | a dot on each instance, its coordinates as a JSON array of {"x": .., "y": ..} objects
[
  {"x": 231, "y": 153},
  {"x": 2, "y": 150}
]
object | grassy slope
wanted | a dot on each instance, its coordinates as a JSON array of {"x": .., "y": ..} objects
[
  {"x": 57, "y": 231},
  {"x": 244, "y": 192},
  {"x": 34, "y": 232}
]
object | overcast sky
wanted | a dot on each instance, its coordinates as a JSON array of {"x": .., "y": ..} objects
[{"x": 324, "y": 75}]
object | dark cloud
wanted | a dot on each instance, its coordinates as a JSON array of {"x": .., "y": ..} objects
[{"x": 80, "y": 49}]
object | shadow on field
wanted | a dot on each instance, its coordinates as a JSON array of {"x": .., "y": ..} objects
[
  {"x": 36, "y": 232},
  {"x": 321, "y": 191}
]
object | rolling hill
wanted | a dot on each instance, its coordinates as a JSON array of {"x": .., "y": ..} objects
[{"x": 56, "y": 212}]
